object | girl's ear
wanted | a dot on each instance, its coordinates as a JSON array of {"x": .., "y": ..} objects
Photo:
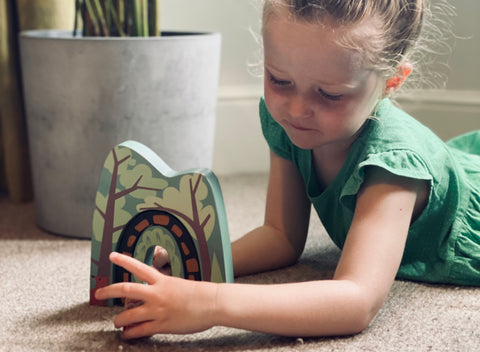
[{"x": 394, "y": 83}]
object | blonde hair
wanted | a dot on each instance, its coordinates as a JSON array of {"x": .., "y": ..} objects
[{"x": 405, "y": 30}]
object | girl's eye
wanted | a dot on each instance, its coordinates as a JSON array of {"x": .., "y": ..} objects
[
  {"x": 278, "y": 82},
  {"x": 331, "y": 97}
]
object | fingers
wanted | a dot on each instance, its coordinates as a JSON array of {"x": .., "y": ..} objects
[
  {"x": 160, "y": 257},
  {"x": 128, "y": 290},
  {"x": 132, "y": 317},
  {"x": 136, "y": 323},
  {"x": 161, "y": 261},
  {"x": 141, "y": 270},
  {"x": 145, "y": 329}
]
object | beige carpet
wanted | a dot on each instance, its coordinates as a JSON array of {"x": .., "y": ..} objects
[{"x": 45, "y": 288}]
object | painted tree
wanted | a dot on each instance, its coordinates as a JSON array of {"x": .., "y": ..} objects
[{"x": 118, "y": 189}]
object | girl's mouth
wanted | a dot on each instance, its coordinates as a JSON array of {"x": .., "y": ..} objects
[{"x": 299, "y": 128}]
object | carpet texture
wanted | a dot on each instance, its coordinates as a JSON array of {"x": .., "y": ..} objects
[{"x": 45, "y": 291}]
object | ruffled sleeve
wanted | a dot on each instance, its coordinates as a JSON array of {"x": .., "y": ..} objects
[{"x": 401, "y": 162}]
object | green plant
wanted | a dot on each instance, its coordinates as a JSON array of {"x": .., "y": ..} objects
[{"x": 117, "y": 18}]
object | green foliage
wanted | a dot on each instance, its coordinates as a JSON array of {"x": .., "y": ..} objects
[{"x": 118, "y": 18}]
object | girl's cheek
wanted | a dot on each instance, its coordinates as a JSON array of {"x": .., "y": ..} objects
[
  {"x": 270, "y": 98},
  {"x": 274, "y": 103}
]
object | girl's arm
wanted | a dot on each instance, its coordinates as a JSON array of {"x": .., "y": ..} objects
[
  {"x": 281, "y": 239},
  {"x": 364, "y": 275},
  {"x": 344, "y": 305}
]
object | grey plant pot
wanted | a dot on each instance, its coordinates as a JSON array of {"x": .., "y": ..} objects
[{"x": 83, "y": 96}]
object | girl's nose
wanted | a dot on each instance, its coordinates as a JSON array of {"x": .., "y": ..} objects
[{"x": 299, "y": 107}]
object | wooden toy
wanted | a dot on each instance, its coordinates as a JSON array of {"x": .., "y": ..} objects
[{"x": 142, "y": 203}]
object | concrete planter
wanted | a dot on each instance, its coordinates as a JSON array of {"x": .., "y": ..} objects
[{"x": 83, "y": 96}]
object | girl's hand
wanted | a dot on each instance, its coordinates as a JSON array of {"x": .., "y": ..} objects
[{"x": 170, "y": 304}]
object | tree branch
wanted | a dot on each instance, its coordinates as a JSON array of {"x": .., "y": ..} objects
[
  {"x": 193, "y": 190},
  {"x": 205, "y": 221},
  {"x": 115, "y": 229},
  {"x": 134, "y": 187},
  {"x": 101, "y": 212},
  {"x": 118, "y": 162},
  {"x": 197, "y": 183}
]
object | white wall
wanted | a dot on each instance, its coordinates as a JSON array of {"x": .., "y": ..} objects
[
  {"x": 232, "y": 18},
  {"x": 239, "y": 144}
]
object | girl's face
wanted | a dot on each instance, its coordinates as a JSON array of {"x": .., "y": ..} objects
[{"x": 317, "y": 90}]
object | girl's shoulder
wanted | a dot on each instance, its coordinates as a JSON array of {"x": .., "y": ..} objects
[
  {"x": 392, "y": 128},
  {"x": 401, "y": 144}
]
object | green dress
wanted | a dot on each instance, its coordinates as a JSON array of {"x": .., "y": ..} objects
[{"x": 443, "y": 244}]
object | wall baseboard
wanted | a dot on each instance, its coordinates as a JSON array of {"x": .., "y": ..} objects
[
  {"x": 239, "y": 143},
  {"x": 448, "y": 113}
]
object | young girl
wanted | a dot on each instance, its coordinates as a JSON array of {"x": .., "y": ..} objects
[{"x": 396, "y": 199}]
